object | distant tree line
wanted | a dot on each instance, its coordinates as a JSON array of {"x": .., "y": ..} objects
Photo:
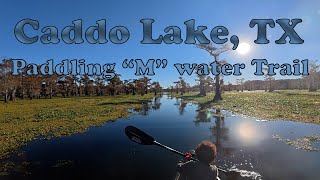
[
  {"x": 310, "y": 82},
  {"x": 47, "y": 86},
  {"x": 43, "y": 86},
  {"x": 207, "y": 84}
]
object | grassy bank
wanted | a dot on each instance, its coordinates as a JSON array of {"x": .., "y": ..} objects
[
  {"x": 23, "y": 120},
  {"x": 292, "y": 105}
]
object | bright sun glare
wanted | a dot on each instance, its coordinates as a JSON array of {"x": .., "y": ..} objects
[
  {"x": 243, "y": 48},
  {"x": 246, "y": 131}
]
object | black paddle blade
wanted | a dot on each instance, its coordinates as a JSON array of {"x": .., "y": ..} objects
[{"x": 138, "y": 136}]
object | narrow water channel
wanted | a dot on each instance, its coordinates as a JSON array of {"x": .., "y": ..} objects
[{"x": 106, "y": 153}]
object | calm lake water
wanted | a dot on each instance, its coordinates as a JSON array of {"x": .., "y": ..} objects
[{"x": 106, "y": 153}]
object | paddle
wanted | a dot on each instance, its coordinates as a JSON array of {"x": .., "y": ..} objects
[{"x": 143, "y": 138}]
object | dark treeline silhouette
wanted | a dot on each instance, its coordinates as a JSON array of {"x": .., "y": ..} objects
[{"x": 46, "y": 86}]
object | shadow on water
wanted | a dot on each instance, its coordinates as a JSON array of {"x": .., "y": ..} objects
[{"x": 106, "y": 153}]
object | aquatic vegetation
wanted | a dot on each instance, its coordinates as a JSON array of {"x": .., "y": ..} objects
[
  {"x": 22, "y": 121},
  {"x": 304, "y": 143},
  {"x": 292, "y": 105},
  {"x": 5, "y": 167},
  {"x": 22, "y": 168}
]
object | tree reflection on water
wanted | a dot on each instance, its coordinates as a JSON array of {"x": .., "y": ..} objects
[
  {"x": 153, "y": 104},
  {"x": 218, "y": 129}
]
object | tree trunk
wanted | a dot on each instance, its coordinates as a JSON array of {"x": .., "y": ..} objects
[
  {"x": 217, "y": 96},
  {"x": 50, "y": 93},
  {"x": 13, "y": 95},
  {"x": 202, "y": 89},
  {"x": 270, "y": 86},
  {"x": 22, "y": 92},
  {"x": 6, "y": 96}
]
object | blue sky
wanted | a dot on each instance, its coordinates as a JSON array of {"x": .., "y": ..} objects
[{"x": 235, "y": 15}]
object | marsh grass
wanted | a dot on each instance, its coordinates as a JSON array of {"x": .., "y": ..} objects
[
  {"x": 293, "y": 105},
  {"x": 22, "y": 121}
]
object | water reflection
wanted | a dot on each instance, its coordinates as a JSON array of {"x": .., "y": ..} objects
[
  {"x": 106, "y": 153},
  {"x": 219, "y": 132},
  {"x": 247, "y": 131},
  {"x": 181, "y": 105},
  {"x": 153, "y": 104},
  {"x": 218, "y": 129},
  {"x": 156, "y": 103},
  {"x": 202, "y": 116}
]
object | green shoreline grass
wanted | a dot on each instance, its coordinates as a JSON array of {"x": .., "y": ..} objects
[
  {"x": 292, "y": 105},
  {"x": 22, "y": 121}
]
